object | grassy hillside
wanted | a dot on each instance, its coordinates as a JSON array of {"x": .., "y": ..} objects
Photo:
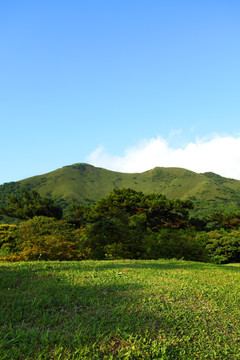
[
  {"x": 85, "y": 184},
  {"x": 163, "y": 309}
]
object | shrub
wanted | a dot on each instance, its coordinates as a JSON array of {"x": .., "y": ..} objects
[
  {"x": 175, "y": 243},
  {"x": 47, "y": 239},
  {"x": 104, "y": 238},
  {"x": 223, "y": 246},
  {"x": 8, "y": 237}
]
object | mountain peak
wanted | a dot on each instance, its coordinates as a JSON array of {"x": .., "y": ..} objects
[{"x": 85, "y": 183}]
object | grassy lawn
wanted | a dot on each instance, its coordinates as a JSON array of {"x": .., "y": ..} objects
[{"x": 120, "y": 309}]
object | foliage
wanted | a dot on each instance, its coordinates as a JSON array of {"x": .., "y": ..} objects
[
  {"x": 223, "y": 246},
  {"x": 86, "y": 184},
  {"x": 160, "y": 211},
  {"x": 112, "y": 238},
  {"x": 28, "y": 204},
  {"x": 7, "y": 189},
  {"x": 225, "y": 220},
  {"x": 126, "y": 224},
  {"x": 165, "y": 213},
  {"x": 78, "y": 214},
  {"x": 175, "y": 243},
  {"x": 116, "y": 227},
  {"x": 4, "y": 219},
  {"x": 106, "y": 238},
  {"x": 44, "y": 238},
  {"x": 8, "y": 236}
]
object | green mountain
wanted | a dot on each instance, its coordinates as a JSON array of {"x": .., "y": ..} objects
[{"x": 83, "y": 183}]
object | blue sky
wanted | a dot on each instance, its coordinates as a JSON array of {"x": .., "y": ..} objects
[{"x": 125, "y": 85}]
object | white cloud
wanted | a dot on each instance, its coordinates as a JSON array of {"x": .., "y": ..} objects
[{"x": 219, "y": 154}]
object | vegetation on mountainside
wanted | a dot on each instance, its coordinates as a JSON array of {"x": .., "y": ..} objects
[
  {"x": 27, "y": 204},
  {"x": 86, "y": 184},
  {"x": 126, "y": 224},
  {"x": 129, "y": 307}
]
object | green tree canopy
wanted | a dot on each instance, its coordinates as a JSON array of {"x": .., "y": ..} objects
[
  {"x": 118, "y": 224},
  {"x": 225, "y": 220},
  {"x": 28, "y": 204},
  {"x": 160, "y": 212},
  {"x": 45, "y": 238}
]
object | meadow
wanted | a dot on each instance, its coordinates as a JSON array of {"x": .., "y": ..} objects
[{"x": 119, "y": 309}]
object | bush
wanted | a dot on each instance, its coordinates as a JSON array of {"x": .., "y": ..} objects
[
  {"x": 43, "y": 238},
  {"x": 105, "y": 238},
  {"x": 174, "y": 243},
  {"x": 8, "y": 238},
  {"x": 223, "y": 246}
]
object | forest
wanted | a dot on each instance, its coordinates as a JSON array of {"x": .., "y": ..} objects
[{"x": 126, "y": 224}]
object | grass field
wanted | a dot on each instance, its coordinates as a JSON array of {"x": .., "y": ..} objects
[{"x": 119, "y": 310}]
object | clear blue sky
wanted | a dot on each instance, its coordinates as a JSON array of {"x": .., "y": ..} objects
[{"x": 76, "y": 74}]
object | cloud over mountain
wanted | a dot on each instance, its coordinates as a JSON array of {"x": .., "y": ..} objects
[{"x": 219, "y": 154}]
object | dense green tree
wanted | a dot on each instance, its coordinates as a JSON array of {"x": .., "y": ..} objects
[
  {"x": 117, "y": 225},
  {"x": 45, "y": 238},
  {"x": 175, "y": 243},
  {"x": 222, "y": 246},
  {"x": 164, "y": 213},
  {"x": 28, "y": 204},
  {"x": 79, "y": 214},
  {"x": 126, "y": 201},
  {"x": 225, "y": 220},
  {"x": 160, "y": 211},
  {"x": 107, "y": 238},
  {"x": 8, "y": 238},
  {"x": 124, "y": 224}
]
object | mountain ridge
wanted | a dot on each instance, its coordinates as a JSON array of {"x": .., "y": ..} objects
[{"x": 85, "y": 183}]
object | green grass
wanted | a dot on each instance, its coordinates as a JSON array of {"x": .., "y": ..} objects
[{"x": 119, "y": 310}]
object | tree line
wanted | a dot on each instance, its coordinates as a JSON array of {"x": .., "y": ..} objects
[{"x": 126, "y": 224}]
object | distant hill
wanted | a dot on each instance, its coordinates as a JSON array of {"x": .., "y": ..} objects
[{"x": 83, "y": 183}]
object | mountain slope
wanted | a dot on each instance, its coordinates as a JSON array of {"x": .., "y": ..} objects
[{"x": 85, "y": 183}]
